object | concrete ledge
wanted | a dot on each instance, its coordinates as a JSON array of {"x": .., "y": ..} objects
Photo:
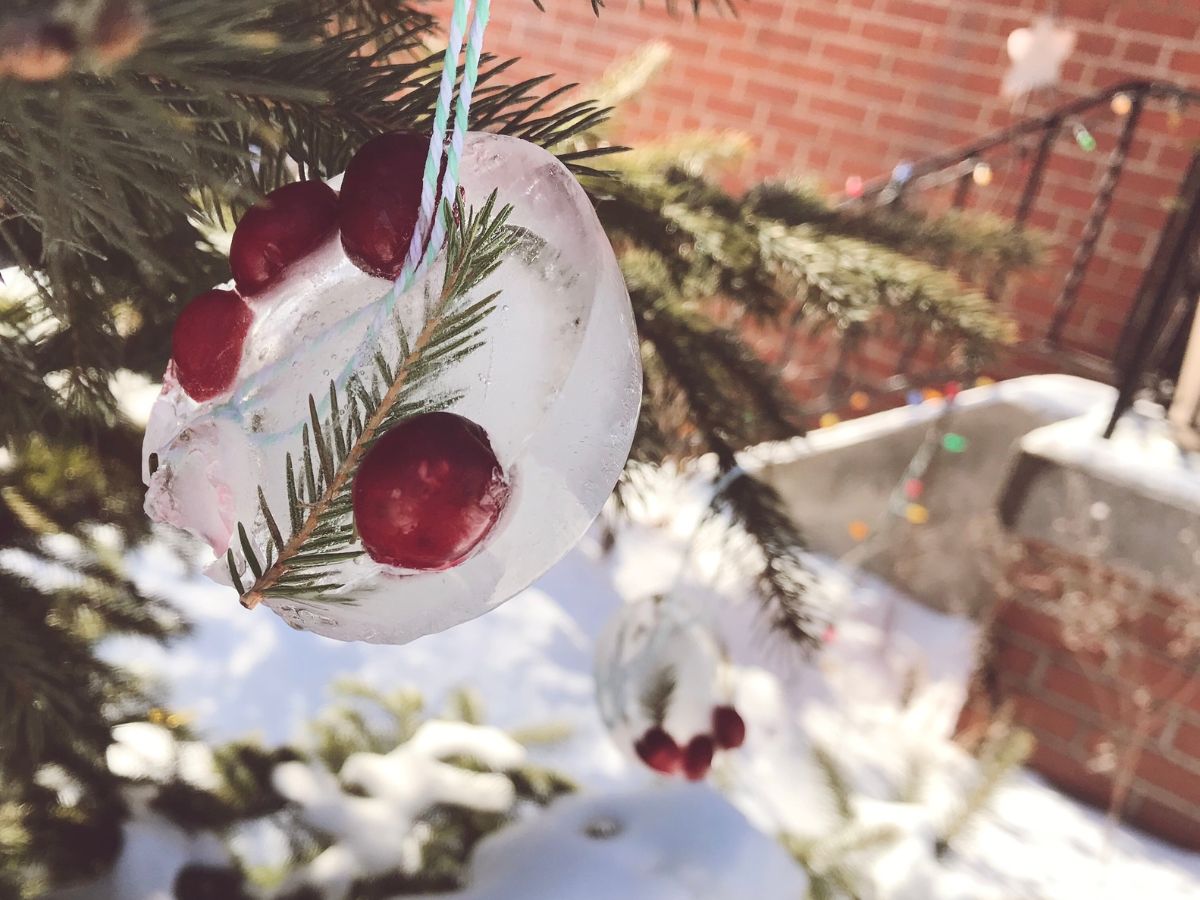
[
  {"x": 1133, "y": 500},
  {"x": 839, "y": 475}
]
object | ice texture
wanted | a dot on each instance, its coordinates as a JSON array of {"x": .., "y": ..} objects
[
  {"x": 557, "y": 387},
  {"x": 649, "y": 642}
]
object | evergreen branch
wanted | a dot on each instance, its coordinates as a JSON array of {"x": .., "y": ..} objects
[
  {"x": 1005, "y": 751},
  {"x": 848, "y": 283},
  {"x": 657, "y": 695},
  {"x": 782, "y": 580},
  {"x": 717, "y": 387},
  {"x": 835, "y": 781},
  {"x": 321, "y": 535},
  {"x": 980, "y": 247},
  {"x": 833, "y": 862}
]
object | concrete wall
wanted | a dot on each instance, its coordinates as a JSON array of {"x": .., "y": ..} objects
[
  {"x": 1118, "y": 524},
  {"x": 1085, "y": 515},
  {"x": 848, "y": 474}
]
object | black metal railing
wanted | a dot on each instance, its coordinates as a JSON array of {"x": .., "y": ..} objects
[{"x": 1161, "y": 311}]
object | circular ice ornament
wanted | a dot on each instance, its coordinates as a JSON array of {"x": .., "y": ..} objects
[
  {"x": 547, "y": 376},
  {"x": 663, "y": 688}
]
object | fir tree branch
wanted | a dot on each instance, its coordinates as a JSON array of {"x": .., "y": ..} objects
[
  {"x": 849, "y": 283},
  {"x": 321, "y": 534},
  {"x": 839, "y": 788},
  {"x": 1006, "y": 749},
  {"x": 718, "y": 409},
  {"x": 979, "y": 247},
  {"x": 656, "y": 697}
]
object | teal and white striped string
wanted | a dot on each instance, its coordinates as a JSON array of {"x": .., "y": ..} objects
[
  {"x": 429, "y": 223},
  {"x": 437, "y": 142},
  {"x": 461, "y": 115}
]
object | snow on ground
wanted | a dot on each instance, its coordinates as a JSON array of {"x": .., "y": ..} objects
[
  {"x": 377, "y": 829},
  {"x": 530, "y": 661},
  {"x": 674, "y": 841}
]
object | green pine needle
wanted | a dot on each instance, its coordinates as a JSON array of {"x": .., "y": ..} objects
[{"x": 321, "y": 535}]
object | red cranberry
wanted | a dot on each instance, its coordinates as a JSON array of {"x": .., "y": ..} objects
[
  {"x": 658, "y": 750},
  {"x": 381, "y": 200},
  {"x": 428, "y": 492},
  {"x": 207, "y": 343},
  {"x": 697, "y": 757},
  {"x": 729, "y": 729},
  {"x": 289, "y": 223}
]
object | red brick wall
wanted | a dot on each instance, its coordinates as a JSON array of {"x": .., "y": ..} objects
[
  {"x": 1072, "y": 701},
  {"x": 831, "y": 88}
]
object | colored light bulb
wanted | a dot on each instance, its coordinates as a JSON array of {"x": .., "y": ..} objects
[
  {"x": 916, "y": 514},
  {"x": 954, "y": 443}
]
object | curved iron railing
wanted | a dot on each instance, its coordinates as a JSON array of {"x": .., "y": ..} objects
[{"x": 1165, "y": 302}]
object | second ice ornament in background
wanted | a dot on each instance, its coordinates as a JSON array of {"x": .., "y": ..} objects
[
  {"x": 663, "y": 685},
  {"x": 538, "y": 418}
]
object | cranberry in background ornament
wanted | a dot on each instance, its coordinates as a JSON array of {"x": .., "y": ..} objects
[
  {"x": 428, "y": 492},
  {"x": 289, "y": 223},
  {"x": 729, "y": 728},
  {"x": 658, "y": 750},
  {"x": 207, "y": 343},
  {"x": 698, "y": 757},
  {"x": 381, "y": 200}
]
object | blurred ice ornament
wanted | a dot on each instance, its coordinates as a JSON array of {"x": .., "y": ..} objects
[
  {"x": 511, "y": 430},
  {"x": 1037, "y": 55},
  {"x": 663, "y": 688}
]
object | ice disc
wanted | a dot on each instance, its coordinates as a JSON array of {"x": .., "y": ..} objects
[{"x": 556, "y": 386}]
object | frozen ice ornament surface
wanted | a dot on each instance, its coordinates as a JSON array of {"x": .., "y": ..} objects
[
  {"x": 663, "y": 687},
  {"x": 456, "y": 465}
]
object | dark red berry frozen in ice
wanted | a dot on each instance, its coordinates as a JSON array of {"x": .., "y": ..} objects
[
  {"x": 729, "y": 729},
  {"x": 381, "y": 200},
  {"x": 207, "y": 343},
  {"x": 289, "y": 223},
  {"x": 428, "y": 492},
  {"x": 698, "y": 756},
  {"x": 658, "y": 750}
]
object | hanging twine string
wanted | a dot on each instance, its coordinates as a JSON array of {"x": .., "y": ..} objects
[
  {"x": 461, "y": 114},
  {"x": 670, "y": 609},
  {"x": 429, "y": 223},
  {"x": 437, "y": 143}
]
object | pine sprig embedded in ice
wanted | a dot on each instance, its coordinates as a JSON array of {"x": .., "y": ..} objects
[
  {"x": 656, "y": 698},
  {"x": 320, "y": 532}
]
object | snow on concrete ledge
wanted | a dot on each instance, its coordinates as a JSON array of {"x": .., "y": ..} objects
[
  {"x": 1134, "y": 498},
  {"x": 1050, "y": 398}
]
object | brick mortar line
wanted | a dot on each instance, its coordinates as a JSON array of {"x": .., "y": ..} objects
[{"x": 1143, "y": 788}]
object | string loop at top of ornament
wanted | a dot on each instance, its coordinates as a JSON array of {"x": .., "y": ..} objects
[{"x": 430, "y": 229}]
